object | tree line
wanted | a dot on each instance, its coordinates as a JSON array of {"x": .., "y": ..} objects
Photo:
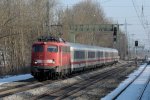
[{"x": 23, "y": 21}]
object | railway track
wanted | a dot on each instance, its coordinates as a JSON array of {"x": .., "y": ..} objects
[
  {"x": 21, "y": 87},
  {"x": 69, "y": 90},
  {"x": 10, "y": 90},
  {"x": 32, "y": 85},
  {"x": 26, "y": 86},
  {"x": 127, "y": 86},
  {"x": 143, "y": 90}
]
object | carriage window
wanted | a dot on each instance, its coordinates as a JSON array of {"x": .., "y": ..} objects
[
  {"x": 79, "y": 54},
  {"x": 52, "y": 49},
  {"x": 38, "y": 48},
  {"x": 106, "y": 54},
  {"x": 100, "y": 54},
  {"x": 91, "y": 54}
]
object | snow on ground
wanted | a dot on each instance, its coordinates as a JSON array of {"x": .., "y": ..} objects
[
  {"x": 15, "y": 78},
  {"x": 135, "y": 89},
  {"x": 132, "y": 92},
  {"x": 146, "y": 95}
]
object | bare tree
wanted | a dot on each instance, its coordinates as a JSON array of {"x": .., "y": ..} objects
[
  {"x": 21, "y": 22},
  {"x": 91, "y": 13},
  {"x": 85, "y": 12}
]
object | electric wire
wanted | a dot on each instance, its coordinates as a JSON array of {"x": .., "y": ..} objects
[
  {"x": 143, "y": 19},
  {"x": 138, "y": 16}
]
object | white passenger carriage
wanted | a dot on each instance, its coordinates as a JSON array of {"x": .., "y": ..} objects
[{"x": 85, "y": 56}]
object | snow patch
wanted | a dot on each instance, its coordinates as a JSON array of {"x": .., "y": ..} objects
[
  {"x": 15, "y": 78},
  {"x": 132, "y": 76}
]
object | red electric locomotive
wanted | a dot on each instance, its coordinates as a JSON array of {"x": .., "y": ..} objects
[{"x": 52, "y": 57}]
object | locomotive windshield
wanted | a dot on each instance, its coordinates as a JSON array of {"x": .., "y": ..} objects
[
  {"x": 52, "y": 49},
  {"x": 38, "y": 48}
]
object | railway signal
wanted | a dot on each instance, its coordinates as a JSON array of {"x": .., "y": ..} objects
[
  {"x": 136, "y": 43},
  {"x": 115, "y": 33}
]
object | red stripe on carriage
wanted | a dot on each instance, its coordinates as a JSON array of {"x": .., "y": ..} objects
[{"x": 89, "y": 61}]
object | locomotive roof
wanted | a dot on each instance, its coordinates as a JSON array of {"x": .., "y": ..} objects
[
  {"x": 80, "y": 46},
  {"x": 72, "y": 45},
  {"x": 89, "y": 47}
]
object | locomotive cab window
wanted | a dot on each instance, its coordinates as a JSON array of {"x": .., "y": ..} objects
[
  {"x": 52, "y": 49},
  {"x": 38, "y": 48}
]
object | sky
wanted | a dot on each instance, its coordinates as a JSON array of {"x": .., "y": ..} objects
[{"x": 129, "y": 10}]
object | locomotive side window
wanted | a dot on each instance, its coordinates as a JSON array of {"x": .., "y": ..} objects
[
  {"x": 38, "y": 48},
  {"x": 65, "y": 49},
  {"x": 52, "y": 49}
]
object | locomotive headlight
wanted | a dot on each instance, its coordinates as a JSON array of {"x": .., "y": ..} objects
[
  {"x": 50, "y": 61},
  {"x": 35, "y": 62}
]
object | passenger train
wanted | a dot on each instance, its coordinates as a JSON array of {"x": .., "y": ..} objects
[{"x": 52, "y": 57}]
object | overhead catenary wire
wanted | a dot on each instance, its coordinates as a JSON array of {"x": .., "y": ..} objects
[
  {"x": 122, "y": 6},
  {"x": 143, "y": 20},
  {"x": 138, "y": 16}
]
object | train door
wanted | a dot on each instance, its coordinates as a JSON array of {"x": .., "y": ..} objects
[
  {"x": 65, "y": 57},
  {"x": 101, "y": 57},
  {"x": 104, "y": 57}
]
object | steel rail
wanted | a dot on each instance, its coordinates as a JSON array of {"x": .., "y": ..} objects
[
  {"x": 144, "y": 88},
  {"x": 115, "y": 97},
  {"x": 84, "y": 84}
]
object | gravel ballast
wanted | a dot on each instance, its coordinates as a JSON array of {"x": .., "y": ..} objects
[{"x": 93, "y": 92}]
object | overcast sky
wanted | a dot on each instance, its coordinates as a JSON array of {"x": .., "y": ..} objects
[{"x": 119, "y": 10}]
